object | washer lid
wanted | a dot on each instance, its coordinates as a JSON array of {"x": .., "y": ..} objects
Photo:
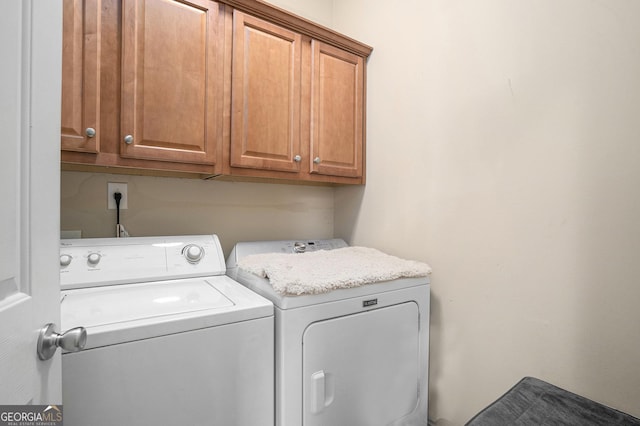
[
  {"x": 130, "y": 312},
  {"x": 119, "y": 304}
]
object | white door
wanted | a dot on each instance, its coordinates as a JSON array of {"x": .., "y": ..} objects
[
  {"x": 30, "y": 79},
  {"x": 362, "y": 369}
]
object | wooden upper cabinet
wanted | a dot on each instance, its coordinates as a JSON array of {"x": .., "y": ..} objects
[
  {"x": 337, "y": 85},
  {"x": 265, "y": 100},
  {"x": 210, "y": 89},
  {"x": 81, "y": 76},
  {"x": 172, "y": 80}
]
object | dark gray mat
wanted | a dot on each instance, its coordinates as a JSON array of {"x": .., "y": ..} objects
[{"x": 534, "y": 402}]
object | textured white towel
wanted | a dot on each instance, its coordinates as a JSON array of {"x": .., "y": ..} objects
[{"x": 325, "y": 270}]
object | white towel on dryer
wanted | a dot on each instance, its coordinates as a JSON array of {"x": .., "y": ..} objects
[{"x": 325, "y": 270}]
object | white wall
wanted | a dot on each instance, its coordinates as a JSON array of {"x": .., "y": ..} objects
[
  {"x": 502, "y": 148},
  {"x": 235, "y": 211}
]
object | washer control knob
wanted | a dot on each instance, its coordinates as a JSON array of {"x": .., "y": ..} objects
[
  {"x": 299, "y": 247},
  {"x": 193, "y": 253},
  {"x": 94, "y": 258},
  {"x": 65, "y": 260}
]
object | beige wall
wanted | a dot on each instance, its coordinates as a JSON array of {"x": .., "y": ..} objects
[
  {"x": 235, "y": 211},
  {"x": 503, "y": 149},
  {"x": 319, "y": 11}
]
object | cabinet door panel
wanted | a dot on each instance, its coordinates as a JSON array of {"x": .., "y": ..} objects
[
  {"x": 336, "y": 111},
  {"x": 80, "y": 75},
  {"x": 265, "y": 126},
  {"x": 171, "y": 80}
]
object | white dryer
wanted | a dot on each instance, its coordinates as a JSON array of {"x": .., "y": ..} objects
[
  {"x": 356, "y": 357},
  {"x": 171, "y": 340}
]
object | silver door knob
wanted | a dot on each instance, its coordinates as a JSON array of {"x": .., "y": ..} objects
[
  {"x": 128, "y": 139},
  {"x": 297, "y": 159},
  {"x": 90, "y": 132},
  {"x": 72, "y": 340},
  {"x": 316, "y": 160}
]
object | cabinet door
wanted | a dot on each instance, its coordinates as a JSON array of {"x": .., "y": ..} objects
[
  {"x": 172, "y": 78},
  {"x": 336, "y": 111},
  {"x": 361, "y": 369},
  {"x": 81, "y": 76},
  {"x": 265, "y": 99}
]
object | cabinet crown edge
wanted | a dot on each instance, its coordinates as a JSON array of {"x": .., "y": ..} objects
[{"x": 302, "y": 25}]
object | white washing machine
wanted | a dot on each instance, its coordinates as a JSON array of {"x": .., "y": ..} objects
[
  {"x": 356, "y": 357},
  {"x": 171, "y": 340}
]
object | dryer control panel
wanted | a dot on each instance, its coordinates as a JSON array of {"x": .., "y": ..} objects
[
  {"x": 95, "y": 262},
  {"x": 244, "y": 249},
  {"x": 304, "y": 246}
]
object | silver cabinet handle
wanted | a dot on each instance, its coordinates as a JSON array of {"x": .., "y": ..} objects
[
  {"x": 128, "y": 139},
  {"x": 72, "y": 340},
  {"x": 297, "y": 159},
  {"x": 316, "y": 160},
  {"x": 90, "y": 132}
]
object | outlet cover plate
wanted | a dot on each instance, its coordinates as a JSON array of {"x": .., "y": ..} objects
[{"x": 112, "y": 188}]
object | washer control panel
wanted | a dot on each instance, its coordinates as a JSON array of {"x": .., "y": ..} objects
[{"x": 103, "y": 261}]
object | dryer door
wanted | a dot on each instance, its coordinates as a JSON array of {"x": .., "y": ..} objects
[{"x": 362, "y": 369}]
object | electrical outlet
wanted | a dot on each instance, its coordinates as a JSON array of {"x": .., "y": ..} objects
[{"x": 112, "y": 188}]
